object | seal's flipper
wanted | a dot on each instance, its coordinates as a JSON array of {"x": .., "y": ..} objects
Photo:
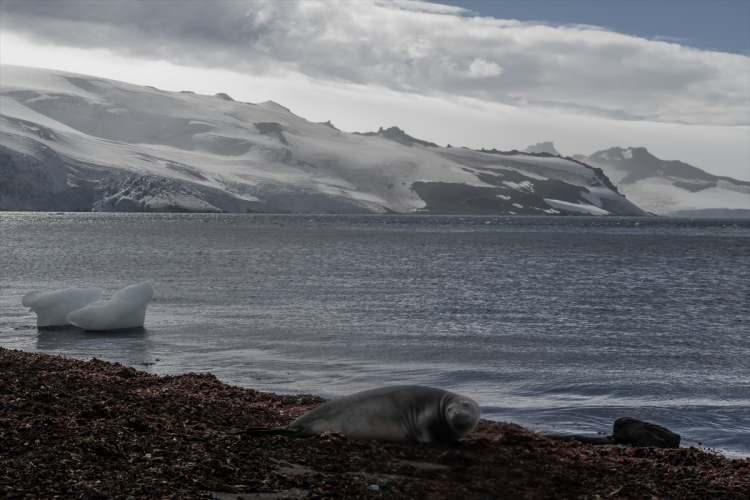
[{"x": 274, "y": 431}]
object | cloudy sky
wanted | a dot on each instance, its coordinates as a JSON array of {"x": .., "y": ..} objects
[{"x": 493, "y": 73}]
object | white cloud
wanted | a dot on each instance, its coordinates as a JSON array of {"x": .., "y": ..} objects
[
  {"x": 365, "y": 64},
  {"x": 412, "y": 46},
  {"x": 481, "y": 68},
  {"x": 422, "y": 6},
  {"x": 460, "y": 121}
]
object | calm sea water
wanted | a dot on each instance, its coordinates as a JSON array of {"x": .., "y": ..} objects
[{"x": 556, "y": 323}]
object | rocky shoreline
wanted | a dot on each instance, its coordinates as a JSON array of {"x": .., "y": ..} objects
[{"x": 92, "y": 429}]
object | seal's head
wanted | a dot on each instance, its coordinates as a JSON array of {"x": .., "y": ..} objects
[{"x": 461, "y": 414}]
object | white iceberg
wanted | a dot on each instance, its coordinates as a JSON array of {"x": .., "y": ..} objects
[
  {"x": 126, "y": 309},
  {"x": 52, "y": 308}
]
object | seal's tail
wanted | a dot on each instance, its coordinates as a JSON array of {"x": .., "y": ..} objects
[{"x": 272, "y": 431}]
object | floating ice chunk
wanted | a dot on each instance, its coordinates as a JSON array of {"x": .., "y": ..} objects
[
  {"x": 126, "y": 309},
  {"x": 52, "y": 308}
]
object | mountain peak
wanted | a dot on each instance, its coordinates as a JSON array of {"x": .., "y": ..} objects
[
  {"x": 329, "y": 124},
  {"x": 396, "y": 134},
  {"x": 547, "y": 147},
  {"x": 686, "y": 188},
  {"x": 274, "y": 106},
  {"x": 622, "y": 154}
]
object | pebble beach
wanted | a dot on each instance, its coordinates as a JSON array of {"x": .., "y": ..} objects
[{"x": 93, "y": 429}]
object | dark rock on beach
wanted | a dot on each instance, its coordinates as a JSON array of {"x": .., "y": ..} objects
[
  {"x": 92, "y": 429},
  {"x": 627, "y": 430}
]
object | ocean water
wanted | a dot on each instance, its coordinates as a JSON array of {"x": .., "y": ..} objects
[{"x": 558, "y": 323}]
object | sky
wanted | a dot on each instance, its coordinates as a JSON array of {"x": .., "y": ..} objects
[
  {"x": 673, "y": 76},
  {"x": 721, "y": 25}
]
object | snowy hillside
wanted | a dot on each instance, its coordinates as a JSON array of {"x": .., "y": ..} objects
[
  {"x": 670, "y": 187},
  {"x": 73, "y": 142}
]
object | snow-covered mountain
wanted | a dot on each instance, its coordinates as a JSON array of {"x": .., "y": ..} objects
[
  {"x": 668, "y": 187},
  {"x": 74, "y": 142}
]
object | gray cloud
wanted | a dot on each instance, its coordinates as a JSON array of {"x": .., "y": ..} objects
[{"x": 410, "y": 46}]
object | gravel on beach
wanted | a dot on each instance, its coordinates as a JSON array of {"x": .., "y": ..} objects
[{"x": 93, "y": 429}]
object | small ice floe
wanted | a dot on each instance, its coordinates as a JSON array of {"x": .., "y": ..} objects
[
  {"x": 126, "y": 309},
  {"x": 52, "y": 308}
]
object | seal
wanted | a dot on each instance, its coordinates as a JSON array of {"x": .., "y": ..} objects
[{"x": 406, "y": 413}]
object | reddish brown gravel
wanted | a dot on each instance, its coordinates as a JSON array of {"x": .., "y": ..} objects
[{"x": 92, "y": 429}]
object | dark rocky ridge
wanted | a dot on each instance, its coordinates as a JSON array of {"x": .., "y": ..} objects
[
  {"x": 93, "y": 429},
  {"x": 398, "y": 135}
]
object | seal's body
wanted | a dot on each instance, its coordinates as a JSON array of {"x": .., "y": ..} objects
[{"x": 401, "y": 413}]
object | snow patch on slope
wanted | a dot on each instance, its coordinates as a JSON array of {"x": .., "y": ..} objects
[
  {"x": 661, "y": 196},
  {"x": 576, "y": 207}
]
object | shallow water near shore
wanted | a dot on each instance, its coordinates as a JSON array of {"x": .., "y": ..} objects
[{"x": 555, "y": 323}]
